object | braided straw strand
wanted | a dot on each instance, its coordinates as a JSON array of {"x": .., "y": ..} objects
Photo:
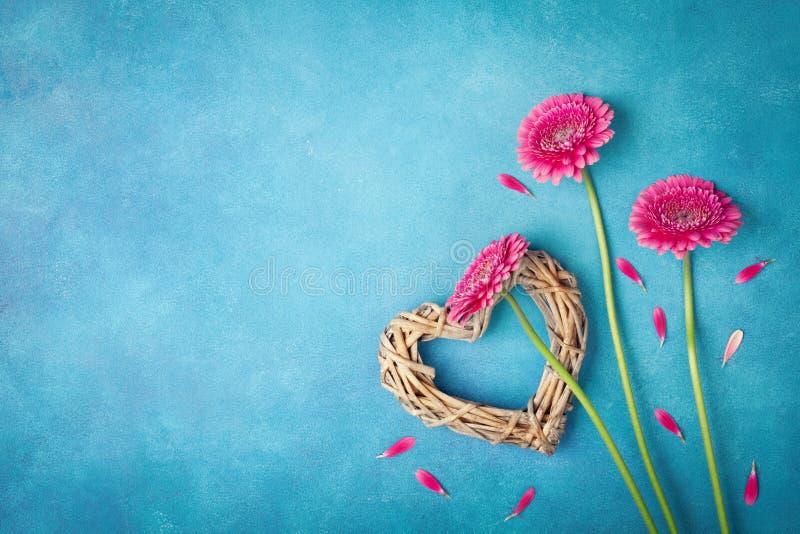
[{"x": 541, "y": 423}]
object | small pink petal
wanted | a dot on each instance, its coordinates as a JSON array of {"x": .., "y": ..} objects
[
  {"x": 523, "y": 503},
  {"x": 660, "y": 322},
  {"x": 733, "y": 345},
  {"x": 747, "y": 274},
  {"x": 400, "y": 447},
  {"x": 668, "y": 422},
  {"x": 513, "y": 184},
  {"x": 630, "y": 271},
  {"x": 430, "y": 482},
  {"x": 751, "y": 488}
]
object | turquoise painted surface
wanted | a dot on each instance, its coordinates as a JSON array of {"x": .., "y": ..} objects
[{"x": 202, "y": 206}]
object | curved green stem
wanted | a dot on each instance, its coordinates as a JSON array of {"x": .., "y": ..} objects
[
  {"x": 588, "y": 406},
  {"x": 688, "y": 299},
  {"x": 621, "y": 363}
]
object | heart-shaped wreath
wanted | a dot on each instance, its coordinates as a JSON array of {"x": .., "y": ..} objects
[{"x": 540, "y": 425}]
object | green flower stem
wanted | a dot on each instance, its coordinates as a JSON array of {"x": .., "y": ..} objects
[
  {"x": 621, "y": 363},
  {"x": 588, "y": 406},
  {"x": 688, "y": 299}
]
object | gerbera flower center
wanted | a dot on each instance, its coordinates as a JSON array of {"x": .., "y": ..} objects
[
  {"x": 684, "y": 217},
  {"x": 564, "y": 128},
  {"x": 485, "y": 270},
  {"x": 563, "y": 134},
  {"x": 681, "y": 211}
]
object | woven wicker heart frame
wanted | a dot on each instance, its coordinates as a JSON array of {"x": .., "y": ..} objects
[{"x": 541, "y": 424}]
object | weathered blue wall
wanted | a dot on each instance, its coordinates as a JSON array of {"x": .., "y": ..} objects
[{"x": 162, "y": 163}]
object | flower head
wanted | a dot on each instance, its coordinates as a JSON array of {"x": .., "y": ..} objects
[
  {"x": 485, "y": 276},
  {"x": 559, "y": 136},
  {"x": 681, "y": 212}
]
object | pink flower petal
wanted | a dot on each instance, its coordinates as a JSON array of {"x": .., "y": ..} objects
[
  {"x": 400, "y": 447},
  {"x": 732, "y": 346},
  {"x": 523, "y": 503},
  {"x": 630, "y": 271},
  {"x": 430, "y": 482},
  {"x": 660, "y": 322},
  {"x": 515, "y": 185},
  {"x": 751, "y": 488},
  {"x": 747, "y": 274},
  {"x": 668, "y": 422}
]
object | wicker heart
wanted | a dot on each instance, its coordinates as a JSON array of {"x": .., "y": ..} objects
[{"x": 540, "y": 425}]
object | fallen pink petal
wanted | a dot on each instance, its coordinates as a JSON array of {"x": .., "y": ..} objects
[
  {"x": 400, "y": 447},
  {"x": 430, "y": 482},
  {"x": 751, "y": 488},
  {"x": 523, "y": 503},
  {"x": 668, "y": 422},
  {"x": 515, "y": 185},
  {"x": 749, "y": 272},
  {"x": 733, "y": 345},
  {"x": 630, "y": 271},
  {"x": 660, "y": 322}
]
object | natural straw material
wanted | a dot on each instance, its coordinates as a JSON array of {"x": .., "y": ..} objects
[{"x": 541, "y": 424}]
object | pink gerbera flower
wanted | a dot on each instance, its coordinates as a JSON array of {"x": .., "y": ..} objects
[
  {"x": 559, "y": 136},
  {"x": 681, "y": 212},
  {"x": 485, "y": 276}
]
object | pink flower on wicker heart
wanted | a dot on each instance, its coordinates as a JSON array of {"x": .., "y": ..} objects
[
  {"x": 681, "y": 212},
  {"x": 485, "y": 276},
  {"x": 559, "y": 136}
]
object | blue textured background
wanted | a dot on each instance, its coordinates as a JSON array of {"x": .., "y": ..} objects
[{"x": 164, "y": 164}]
